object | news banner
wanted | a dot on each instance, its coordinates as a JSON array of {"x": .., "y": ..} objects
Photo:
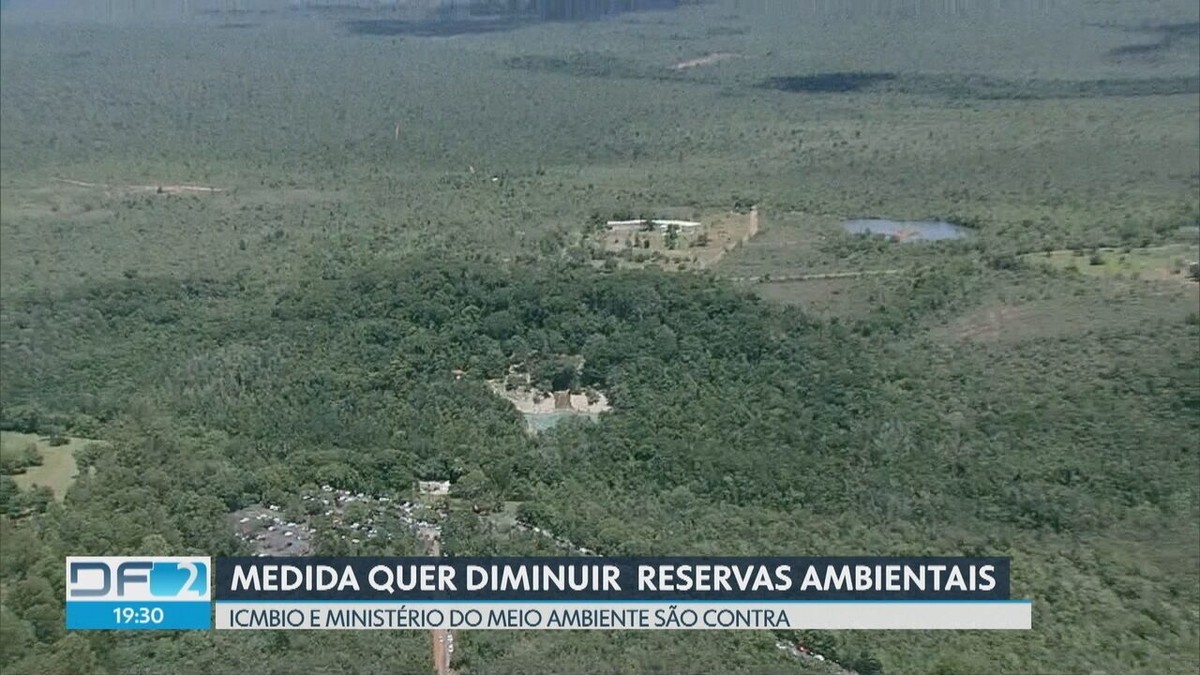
[{"x": 318, "y": 593}]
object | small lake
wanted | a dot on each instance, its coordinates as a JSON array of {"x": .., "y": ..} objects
[
  {"x": 542, "y": 421},
  {"x": 907, "y": 230}
]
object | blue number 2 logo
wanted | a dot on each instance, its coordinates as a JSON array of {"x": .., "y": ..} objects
[{"x": 170, "y": 580}]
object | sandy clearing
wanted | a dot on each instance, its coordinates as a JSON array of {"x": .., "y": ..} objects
[{"x": 531, "y": 401}]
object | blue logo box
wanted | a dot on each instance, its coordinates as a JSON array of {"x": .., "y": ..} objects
[{"x": 139, "y": 593}]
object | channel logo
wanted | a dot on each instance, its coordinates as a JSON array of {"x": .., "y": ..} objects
[
  {"x": 129, "y": 593},
  {"x": 160, "y": 579}
]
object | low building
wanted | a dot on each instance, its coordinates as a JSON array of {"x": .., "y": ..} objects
[{"x": 641, "y": 224}]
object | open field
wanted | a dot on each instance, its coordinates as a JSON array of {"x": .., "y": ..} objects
[
  {"x": 1160, "y": 263},
  {"x": 1035, "y": 173},
  {"x": 57, "y": 470},
  {"x": 1075, "y": 310},
  {"x": 826, "y": 298}
]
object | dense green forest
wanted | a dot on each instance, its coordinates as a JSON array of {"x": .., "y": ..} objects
[
  {"x": 739, "y": 428},
  {"x": 382, "y": 211}
]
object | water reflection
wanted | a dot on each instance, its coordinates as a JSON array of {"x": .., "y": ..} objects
[{"x": 907, "y": 230}]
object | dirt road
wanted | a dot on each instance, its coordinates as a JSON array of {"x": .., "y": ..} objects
[
  {"x": 708, "y": 60},
  {"x": 443, "y": 640},
  {"x": 753, "y": 230},
  {"x": 174, "y": 188}
]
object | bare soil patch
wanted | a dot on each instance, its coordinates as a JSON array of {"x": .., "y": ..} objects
[
  {"x": 706, "y": 60},
  {"x": 530, "y": 400}
]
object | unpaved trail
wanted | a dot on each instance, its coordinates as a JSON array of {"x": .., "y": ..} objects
[
  {"x": 443, "y": 639},
  {"x": 706, "y": 60},
  {"x": 815, "y": 276},
  {"x": 165, "y": 188}
]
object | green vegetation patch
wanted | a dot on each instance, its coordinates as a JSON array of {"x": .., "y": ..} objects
[
  {"x": 1170, "y": 262},
  {"x": 55, "y": 466}
]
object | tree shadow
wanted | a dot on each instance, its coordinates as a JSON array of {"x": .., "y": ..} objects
[
  {"x": 1174, "y": 31},
  {"x": 965, "y": 86},
  {"x": 472, "y": 20},
  {"x": 828, "y": 83},
  {"x": 1169, "y": 34},
  {"x": 447, "y": 27}
]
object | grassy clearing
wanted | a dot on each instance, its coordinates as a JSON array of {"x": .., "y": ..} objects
[
  {"x": 57, "y": 470},
  {"x": 1065, "y": 308},
  {"x": 825, "y": 298},
  {"x": 1009, "y": 323},
  {"x": 1168, "y": 262}
]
